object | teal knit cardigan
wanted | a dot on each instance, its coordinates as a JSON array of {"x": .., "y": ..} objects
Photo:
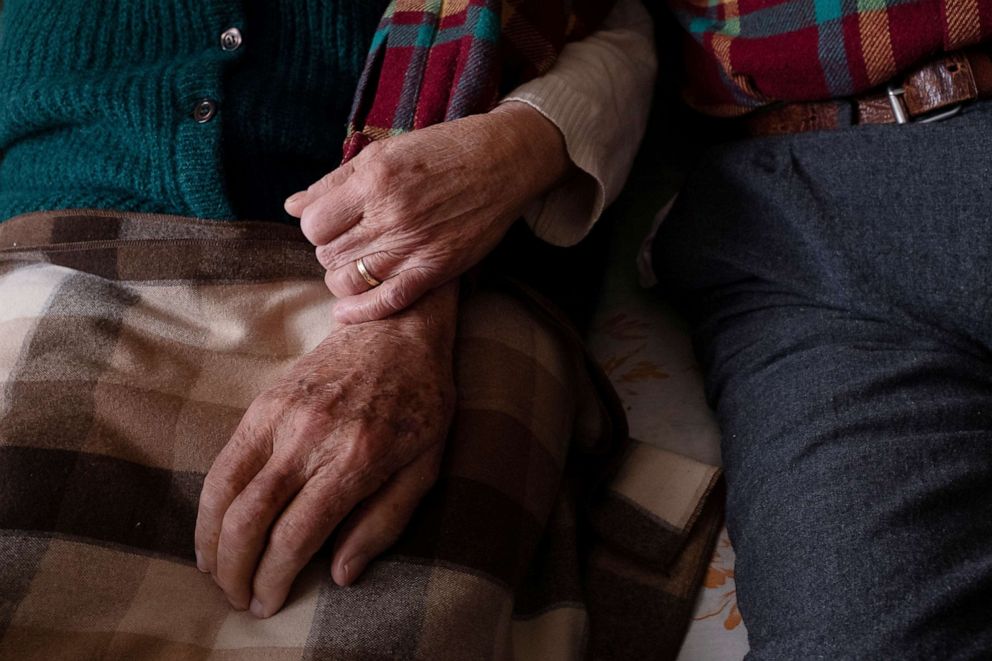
[{"x": 209, "y": 108}]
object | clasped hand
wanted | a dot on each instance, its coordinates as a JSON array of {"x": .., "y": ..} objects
[
  {"x": 422, "y": 208},
  {"x": 349, "y": 440}
]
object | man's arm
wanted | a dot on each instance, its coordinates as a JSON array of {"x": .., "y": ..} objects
[{"x": 360, "y": 422}]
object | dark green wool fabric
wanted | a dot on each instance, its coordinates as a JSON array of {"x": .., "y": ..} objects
[{"x": 98, "y": 102}]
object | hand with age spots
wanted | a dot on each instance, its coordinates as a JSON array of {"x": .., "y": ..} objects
[
  {"x": 348, "y": 441},
  {"x": 422, "y": 208}
]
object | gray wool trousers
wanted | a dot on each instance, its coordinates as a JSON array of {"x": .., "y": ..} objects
[{"x": 839, "y": 285}]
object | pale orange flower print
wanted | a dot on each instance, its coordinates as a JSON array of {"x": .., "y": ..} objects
[
  {"x": 623, "y": 326},
  {"x": 720, "y": 572},
  {"x": 627, "y": 363}
]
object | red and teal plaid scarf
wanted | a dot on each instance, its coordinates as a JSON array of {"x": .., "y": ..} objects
[{"x": 433, "y": 61}]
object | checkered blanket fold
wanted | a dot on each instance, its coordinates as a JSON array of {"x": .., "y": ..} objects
[{"x": 130, "y": 346}]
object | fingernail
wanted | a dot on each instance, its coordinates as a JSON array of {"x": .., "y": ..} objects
[
  {"x": 354, "y": 567},
  {"x": 257, "y": 609},
  {"x": 294, "y": 198},
  {"x": 200, "y": 564}
]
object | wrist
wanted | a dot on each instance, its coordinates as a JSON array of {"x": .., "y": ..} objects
[
  {"x": 431, "y": 321},
  {"x": 538, "y": 145}
]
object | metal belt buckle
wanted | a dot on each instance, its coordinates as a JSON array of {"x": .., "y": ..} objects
[{"x": 901, "y": 113}]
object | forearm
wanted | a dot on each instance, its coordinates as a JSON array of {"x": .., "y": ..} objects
[{"x": 598, "y": 95}]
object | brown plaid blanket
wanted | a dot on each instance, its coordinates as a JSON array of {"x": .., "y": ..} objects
[{"x": 130, "y": 347}]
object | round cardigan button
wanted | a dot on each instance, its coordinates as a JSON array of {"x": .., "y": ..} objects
[
  {"x": 204, "y": 111},
  {"x": 231, "y": 40}
]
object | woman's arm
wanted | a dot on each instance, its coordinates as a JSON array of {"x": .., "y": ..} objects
[
  {"x": 422, "y": 208},
  {"x": 598, "y": 95}
]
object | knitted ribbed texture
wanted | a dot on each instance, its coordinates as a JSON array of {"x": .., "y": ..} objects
[{"x": 97, "y": 99}]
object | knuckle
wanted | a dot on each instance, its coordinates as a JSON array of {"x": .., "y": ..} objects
[
  {"x": 311, "y": 223},
  {"x": 240, "y": 524},
  {"x": 213, "y": 487},
  {"x": 384, "y": 168},
  {"x": 288, "y": 540},
  {"x": 336, "y": 284},
  {"x": 245, "y": 435},
  {"x": 355, "y": 459},
  {"x": 258, "y": 411},
  {"x": 326, "y": 256},
  {"x": 429, "y": 267},
  {"x": 280, "y": 478},
  {"x": 311, "y": 421},
  {"x": 369, "y": 153},
  {"x": 375, "y": 147},
  {"x": 394, "y": 298},
  {"x": 367, "y": 463},
  {"x": 321, "y": 184},
  {"x": 309, "y": 402}
]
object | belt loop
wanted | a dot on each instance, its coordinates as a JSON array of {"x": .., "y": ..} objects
[
  {"x": 847, "y": 113},
  {"x": 899, "y": 110}
]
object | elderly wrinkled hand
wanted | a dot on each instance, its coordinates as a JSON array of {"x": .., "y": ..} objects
[
  {"x": 349, "y": 440},
  {"x": 422, "y": 208}
]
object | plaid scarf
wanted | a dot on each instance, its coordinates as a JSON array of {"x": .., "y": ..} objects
[{"x": 433, "y": 61}]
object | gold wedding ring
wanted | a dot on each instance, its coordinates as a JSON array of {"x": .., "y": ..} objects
[{"x": 366, "y": 276}]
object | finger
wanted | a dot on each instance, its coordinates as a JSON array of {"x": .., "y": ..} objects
[
  {"x": 296, "y": 203},
  {"x": 299, "y": 533},
  {"x": 347, "y": 247},
  {"x": 348, "y": 281},
  {"x": 379, "y": 522},
  {"x": 331, "y": 215},
  {"x": 240, "y": 460},
  {"x": 246, "y": 526},
  {"x": 395, "y": 294}
]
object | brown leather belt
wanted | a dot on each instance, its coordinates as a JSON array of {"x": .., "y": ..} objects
[{"x": 934, "y": 91}]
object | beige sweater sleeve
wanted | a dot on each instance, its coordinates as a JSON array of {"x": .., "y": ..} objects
[{"x": 598, "y": 94}]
